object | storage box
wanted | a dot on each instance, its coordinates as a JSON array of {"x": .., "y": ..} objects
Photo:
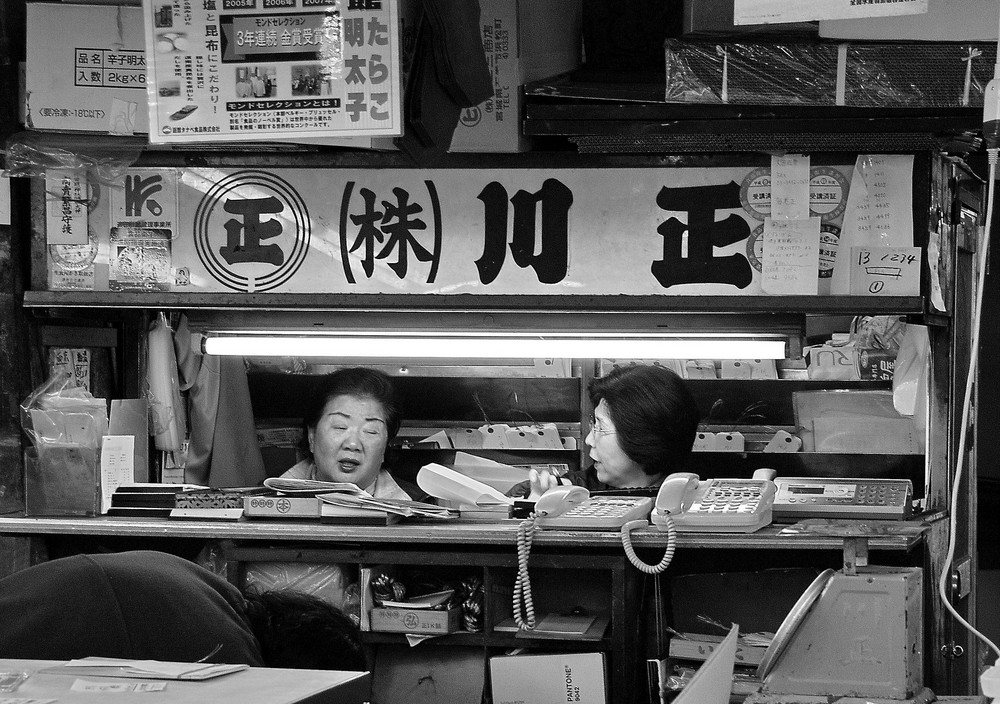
[
  {"x": 541, "y": 679},
  {"x": 524, "y": 41},
  {"x": 85, "y": 68},
  {"x": 422, "y": 621},
  {"x": 859, "y": 74}
]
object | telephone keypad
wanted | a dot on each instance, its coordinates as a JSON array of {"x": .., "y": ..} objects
[{"x": 601, "y": 513}]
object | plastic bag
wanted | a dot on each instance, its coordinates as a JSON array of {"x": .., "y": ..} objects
[
  {"x": 61, "y": 413},
  {"x": 325, "y": 581},
  {"x": 168, "y": 418},
  {"x": 909, "y": 380},
  {"x": 66, "y": 425}
]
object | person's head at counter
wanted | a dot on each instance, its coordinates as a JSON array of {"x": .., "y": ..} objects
[
  {"x": 349, "y": 421},
  {"x": 642, "y": 429},
  {"x": 643, "y": 426}
]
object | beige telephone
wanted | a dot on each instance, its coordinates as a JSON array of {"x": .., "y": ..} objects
[{"x": 715, "y": 505}]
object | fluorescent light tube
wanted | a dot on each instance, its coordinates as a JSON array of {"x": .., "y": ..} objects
[{"x": 489, "y": 345}]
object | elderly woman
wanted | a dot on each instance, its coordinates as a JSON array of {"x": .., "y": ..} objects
[
  {"x": 644, "y": 424},
  {"x": 352, "y": 416}
]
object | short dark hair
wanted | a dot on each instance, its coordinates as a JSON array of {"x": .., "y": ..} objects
[
  {"x": 356, "y": 381},
  {"x": 654, "y": 413},
  {"x": 300, "y": 630}
]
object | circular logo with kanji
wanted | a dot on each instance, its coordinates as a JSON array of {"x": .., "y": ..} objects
[
  {"x": 283, "y": 505},
  {"x": 827, "y": 193},
  {"x": 74, "y": 257},
  {"x": 252, "y": 231}
]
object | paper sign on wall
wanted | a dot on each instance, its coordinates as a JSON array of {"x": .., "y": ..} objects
[
  {"x": 879, "y": 212},
  {"x": 789, "y": 187},
  {"x": 116, "y": 466},
  {"x": 66, "y": 207},
  {"x": 791, "y": 257},
  {"x": 885, "y": 271}
]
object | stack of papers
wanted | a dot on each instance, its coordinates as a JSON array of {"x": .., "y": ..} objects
[
  {"x": 398, "y": 507},
  {"x": 145, "y": 669},
  {"x": 312, "y": 487}
]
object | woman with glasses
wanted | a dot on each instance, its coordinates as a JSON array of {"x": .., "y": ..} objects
[
  {"x": 642, "y": 429},
  {"x": 352, "y": 416}
]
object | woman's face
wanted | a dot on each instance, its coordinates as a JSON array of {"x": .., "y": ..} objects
[
  {"x": 349, "y": 441},
  {"x": 613, "y": 466}
]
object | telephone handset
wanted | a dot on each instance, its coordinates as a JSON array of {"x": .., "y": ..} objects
[{"x": 716, "y": 505}]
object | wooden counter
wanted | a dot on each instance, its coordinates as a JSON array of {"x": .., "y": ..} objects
[{"x": 450, "y": 533}]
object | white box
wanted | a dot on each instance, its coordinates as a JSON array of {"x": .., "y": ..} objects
[
  {"x": 524, "y": 42},
  {"x": 85, "y": 69},
  {"x": 542, "y": 679}
]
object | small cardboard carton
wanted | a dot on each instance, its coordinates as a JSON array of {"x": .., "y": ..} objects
[
  {"x": 524, "y": 41},
  {"x": 417, "y": 621},
  {"x": 540, "y": 679},
  {"x": 85, "y": 69}
]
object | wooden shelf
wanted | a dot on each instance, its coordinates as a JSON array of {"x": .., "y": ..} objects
[{"x": 840, "y": 305}]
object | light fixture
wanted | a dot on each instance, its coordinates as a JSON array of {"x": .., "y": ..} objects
[{"x": 452, "y": 344}]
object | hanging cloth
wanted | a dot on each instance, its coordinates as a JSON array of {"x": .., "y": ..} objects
[{"x": 223, "y": 449}]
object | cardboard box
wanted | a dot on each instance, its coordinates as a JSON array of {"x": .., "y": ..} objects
[
  {"x": 540, "y": 679},
  {"x": 524, "y": 41},
  {"x": 85, "y": 69},
  {"x": 424, "y": 621}
]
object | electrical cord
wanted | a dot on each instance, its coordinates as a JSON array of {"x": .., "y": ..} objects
[
  {"x": 524, "y": 605},
  {"x": 944, "y": 579},
  {"x": 668, "y": 555}
]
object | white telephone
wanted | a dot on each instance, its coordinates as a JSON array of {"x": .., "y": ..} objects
[{"x": 715, "y": 505}]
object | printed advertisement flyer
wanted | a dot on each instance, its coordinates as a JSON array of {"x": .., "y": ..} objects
[{"x": 254, "y": 70}]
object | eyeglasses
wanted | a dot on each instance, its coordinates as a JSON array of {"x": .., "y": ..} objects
[{"x": 597, "y": 429}]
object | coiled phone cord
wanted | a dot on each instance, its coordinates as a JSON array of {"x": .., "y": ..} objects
[
  {"x": 668, "y": 554},
  {"x": 522, "y": 585}
]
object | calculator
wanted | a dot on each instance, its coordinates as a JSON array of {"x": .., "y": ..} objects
[{"x": 601, "y": 513}]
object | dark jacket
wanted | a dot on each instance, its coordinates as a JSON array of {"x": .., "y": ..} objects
[{"x": 141, "y": 604}]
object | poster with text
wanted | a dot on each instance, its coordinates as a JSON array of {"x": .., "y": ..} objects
[{"x": 257, "y": 70}]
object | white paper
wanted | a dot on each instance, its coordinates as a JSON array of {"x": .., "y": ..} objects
[
  {"x": 879, "y": 211},
  {"x": 790, "y": 264},
  {"x": 116, "y": 465},
  {"x": 789, "y": 187},
  {"x": 777, "y": 11},
  {"x": 66, "y": 207},
  {"x": 444, "y": 483},
  {"x": 4, "y": 200},
  {"x": 885, "y": 271}
]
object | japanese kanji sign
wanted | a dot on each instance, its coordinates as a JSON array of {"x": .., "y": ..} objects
[{"x": 596, "y": 231}]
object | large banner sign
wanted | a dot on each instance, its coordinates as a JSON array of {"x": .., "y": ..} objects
[{"x": 642, "y": 231}]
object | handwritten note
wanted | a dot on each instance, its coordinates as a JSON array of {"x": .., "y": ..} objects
[
  {"x": 879, "y": 211},
  {"x": 116, "y": 465},
  {"x": 885, "y": 271},
  {"x": 66, "y": 214},
  {"x": 790, "y": 264},
  {"x": 789, "y": 187}
]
